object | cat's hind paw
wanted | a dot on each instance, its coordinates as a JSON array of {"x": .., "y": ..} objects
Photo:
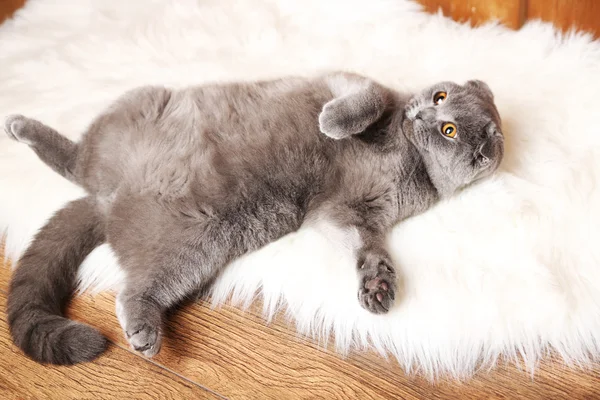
[
  {"x": 144, "y": 338},
  {"x": 141, "y": 324},
  {"x": 14, "y": 126}
]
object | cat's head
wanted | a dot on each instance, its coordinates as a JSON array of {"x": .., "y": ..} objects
[{"x": 456, "y": 128}]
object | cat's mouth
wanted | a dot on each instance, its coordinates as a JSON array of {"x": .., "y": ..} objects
[{"x": 409, "y": 125}]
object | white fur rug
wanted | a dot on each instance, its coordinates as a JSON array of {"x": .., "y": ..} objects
[{"x": 510, "y": 267}]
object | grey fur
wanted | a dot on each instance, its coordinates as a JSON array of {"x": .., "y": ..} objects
[{"x": 181, "y": 182}]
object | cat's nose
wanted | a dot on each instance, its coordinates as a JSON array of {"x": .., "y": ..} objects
[{"x": 426, "y": 114}]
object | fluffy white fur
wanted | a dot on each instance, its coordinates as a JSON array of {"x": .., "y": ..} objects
[{"x": 509, "y": 267}]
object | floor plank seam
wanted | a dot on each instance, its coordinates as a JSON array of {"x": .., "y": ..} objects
[
  {"x": 162, "y": 367},
  {"x": 148, "y": 360}
]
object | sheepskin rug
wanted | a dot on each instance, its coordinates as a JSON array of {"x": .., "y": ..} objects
[{"x": 508, "y": 268}]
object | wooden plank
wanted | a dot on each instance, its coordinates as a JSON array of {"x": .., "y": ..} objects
[
  {"x": 509, "y": 12},
  {"x": 237, "y": 355},
  {"x": 8, "y": 7},
  {"x": 565, "y": 14},
  {"x": 581, "y": 14},
  {"x": 240, "y": 357},
  {"x": 116, "y": 374}
]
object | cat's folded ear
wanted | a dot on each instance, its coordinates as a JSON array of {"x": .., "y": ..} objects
[
  {"x": 493, "y": 130},
  {"x": 492, "y": 148},
  {"x": 481, "y": 86}
]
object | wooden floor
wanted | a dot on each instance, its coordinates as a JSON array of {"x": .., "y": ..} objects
[
  {"x": 227, "y": 353},
  {"x": 8, "y": 7}
]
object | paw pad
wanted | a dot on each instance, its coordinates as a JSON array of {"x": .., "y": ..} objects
[{"x": 378, "y": 288}]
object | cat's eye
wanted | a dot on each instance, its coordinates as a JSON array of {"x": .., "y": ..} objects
[
  {"x": 449, "y": 130},
  {"x": 439, "y": 98}
]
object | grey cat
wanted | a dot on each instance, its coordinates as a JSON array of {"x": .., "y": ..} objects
[{"x": 182, "y": 182}]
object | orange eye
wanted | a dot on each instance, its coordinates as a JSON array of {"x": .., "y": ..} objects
[
  {"x": 449, "y": 130},
  {"x": 439, "y": 98}
]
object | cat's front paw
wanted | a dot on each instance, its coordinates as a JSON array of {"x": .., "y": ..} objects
[
  {"x": 378, "y": 285},
  {"x": 412, "y": 108},
  {"x": 333, "y": 120}
]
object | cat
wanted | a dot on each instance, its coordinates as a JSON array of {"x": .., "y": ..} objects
[{"x": 182, "y": 182}]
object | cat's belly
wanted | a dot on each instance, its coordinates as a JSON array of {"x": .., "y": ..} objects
[{"x": 212, "y": 145}]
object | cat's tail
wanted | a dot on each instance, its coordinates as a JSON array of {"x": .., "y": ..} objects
[{"x": 44, "y": 281}]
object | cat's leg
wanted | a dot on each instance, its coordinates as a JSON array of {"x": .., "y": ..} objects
[
  {"x": 165, "y": 261},
  {"x": 160, "y": 279},
  {"x": 358, "y": 103},
  {"x": 58, "y": 152},
  {"x": 171, "y": 251},
  {"x": 143, "y": 301},
  {"x": 370, "y": 215}
]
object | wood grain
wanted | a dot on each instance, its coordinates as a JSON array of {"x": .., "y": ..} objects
[
  {"x": 116, "y": 374},
  {"x": 567, "y": 14},
  {"x": 8, "y": 7},
  {"x": 509, "y": 12},
  {"x": 237, "y": 355}
]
